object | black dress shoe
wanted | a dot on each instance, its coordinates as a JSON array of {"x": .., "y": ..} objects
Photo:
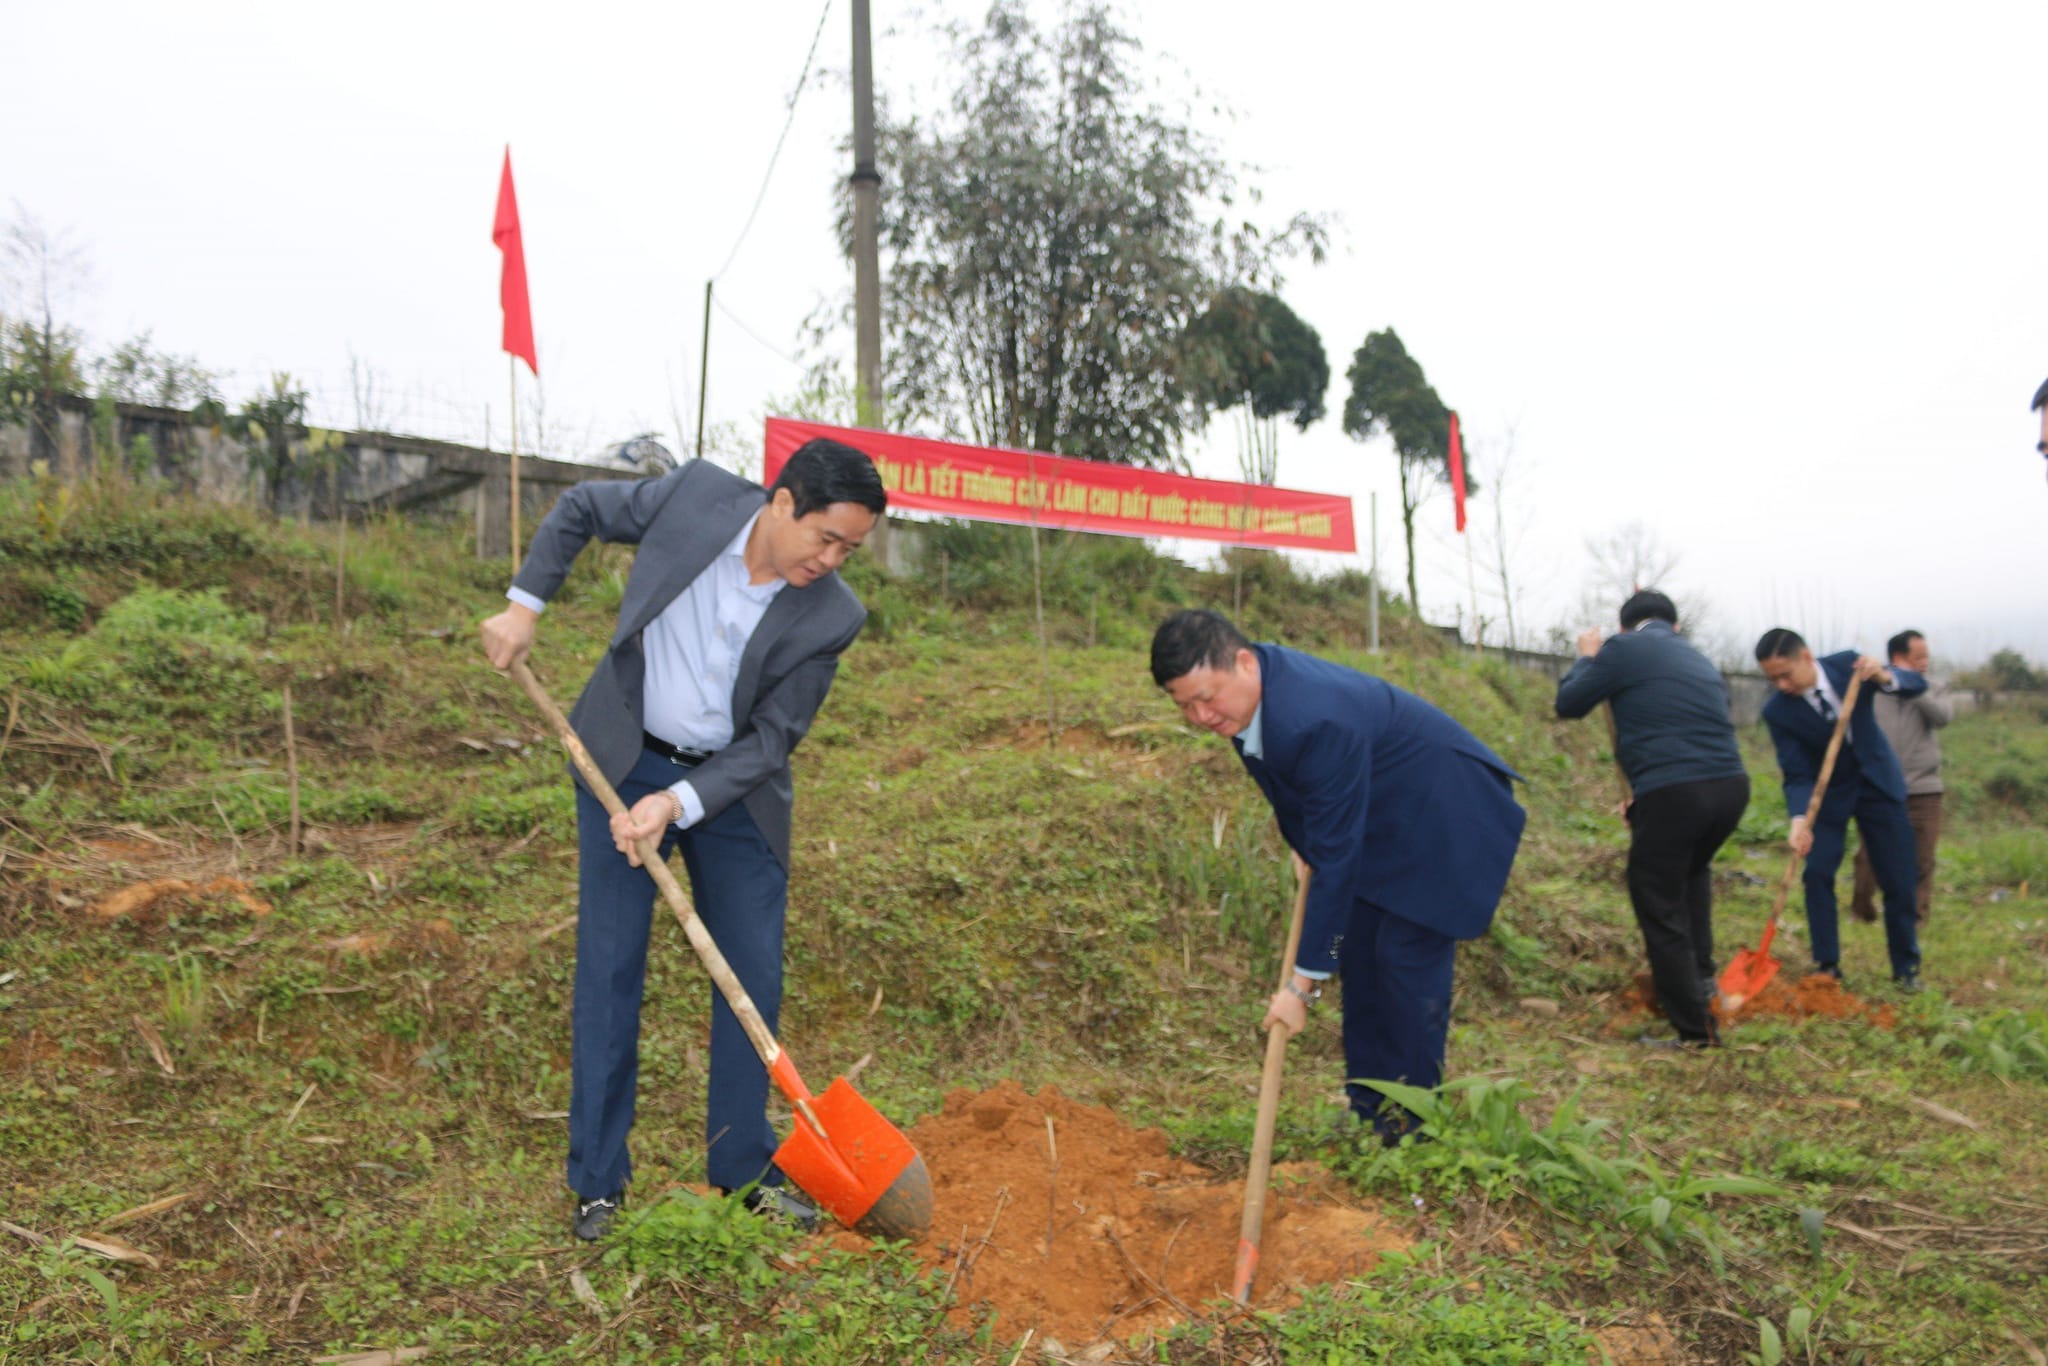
[
  {"x": 774, "y": 1202},
  {"x": 1907, "y": 982},
  {"x": 594, "y": 1217},
  {"x": 1678, "y": 1045},
  {"x": 1833, "y": 970}
]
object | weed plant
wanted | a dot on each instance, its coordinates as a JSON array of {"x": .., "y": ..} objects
[
  {"x": 1406, "y": 1310},
  {"x": 1474, "y": 1137}
]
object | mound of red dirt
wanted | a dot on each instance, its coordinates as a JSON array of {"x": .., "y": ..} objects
[
  {"x": 1061, "y": 1217},
  {"x": 1784, "y": 997},
  {"x": 1803, "y": 997}
]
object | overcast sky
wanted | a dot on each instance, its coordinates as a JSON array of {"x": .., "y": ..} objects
[{"x": 1771, "y": 280}]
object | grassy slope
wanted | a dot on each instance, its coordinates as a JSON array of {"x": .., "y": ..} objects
[{"x": 978, "y": 894}]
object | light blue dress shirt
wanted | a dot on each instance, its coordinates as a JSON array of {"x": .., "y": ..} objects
[
  {"x": 693, "y": 652},
  {"x": 1253, "y": 736}
]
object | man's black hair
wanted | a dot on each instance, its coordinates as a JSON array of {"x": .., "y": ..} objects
[
  {"x": 1647, "y": 604},
  {"x": 2041, "y": 396},
  {"x": 1901, "y": 643},
  {"x": 1780, "y": 642},
  {"x": 1190, "y": 640},
  {"x": 822, "y": 472}
]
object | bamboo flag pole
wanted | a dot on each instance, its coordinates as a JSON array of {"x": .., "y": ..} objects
[
  {"x": 1373, "y": 598},
  {"x": 518, "y": 335},
  {"x": 291, "y": 760},
  {"x": 512, "y": 369},
  {"x": 1472, "y": 585}
]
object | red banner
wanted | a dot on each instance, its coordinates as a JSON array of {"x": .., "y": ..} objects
[{"x": 990, "y": 484}]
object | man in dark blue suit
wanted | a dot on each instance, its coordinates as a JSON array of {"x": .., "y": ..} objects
[
  {"x": 1408, "y": 822},
  {"x": 1867, "y": 784}
]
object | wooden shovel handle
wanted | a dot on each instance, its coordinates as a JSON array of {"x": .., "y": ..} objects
[
  {"x": 650, "y": 858},
  {"x": 1253, "y": 1224}
]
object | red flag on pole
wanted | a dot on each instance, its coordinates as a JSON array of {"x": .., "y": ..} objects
[
  {"x": 512, "y": 279},
  {"x": 1457, "y": 472}
]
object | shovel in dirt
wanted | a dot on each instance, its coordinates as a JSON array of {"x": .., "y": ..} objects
[
  {"x": 1253, "y": 1225},
  {"x": 841, "y": 1151},
  {"x": 1751, "y": 970}
]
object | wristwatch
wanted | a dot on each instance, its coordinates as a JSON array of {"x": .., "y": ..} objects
[{"x": 1309, "y": 997}]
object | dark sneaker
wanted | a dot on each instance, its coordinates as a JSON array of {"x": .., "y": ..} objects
[
  {"x": 594, "y": 1217},
  {"x": 773, "y": 1202}
]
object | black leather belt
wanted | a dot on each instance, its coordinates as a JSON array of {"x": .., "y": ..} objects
[{"x": 675, "y": 754}]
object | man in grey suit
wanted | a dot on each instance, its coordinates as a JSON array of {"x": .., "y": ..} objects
[
  {"x": 1909, "y": 723},
  {"x": 728, "y": 639}
]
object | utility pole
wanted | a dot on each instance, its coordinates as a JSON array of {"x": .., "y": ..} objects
[
  {"x": 703, "y": 369},
  {"x": 867, "y": 268}
]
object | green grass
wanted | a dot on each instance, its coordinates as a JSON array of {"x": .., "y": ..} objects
[{"x": 990, "y": 882}]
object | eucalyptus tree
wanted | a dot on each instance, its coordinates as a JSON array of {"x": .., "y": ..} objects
[
  {"x": 1262, "y": 359},
  {"x": 1050, "y": 237},
  {"x": 1391, "y": 397}
]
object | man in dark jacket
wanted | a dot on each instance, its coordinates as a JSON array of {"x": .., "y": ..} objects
[
  {"x": 1408, "y": 823},
  {"x": 1867, "y": 784},
  {"x": 1676, "y": 746}
]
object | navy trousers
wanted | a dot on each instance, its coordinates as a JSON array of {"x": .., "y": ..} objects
[
  {"x": 741, "y": 894},
  {"x": 1888, "y": 834},
  {"x": 1397, "y": 1008}
]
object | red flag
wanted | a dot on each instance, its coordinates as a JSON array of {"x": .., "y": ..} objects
[
  {"x": 1457, "y": 472},
  {"x": 512, "y": 279}
]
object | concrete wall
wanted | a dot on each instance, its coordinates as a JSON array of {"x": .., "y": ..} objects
[{"x": 354, "y": 474}]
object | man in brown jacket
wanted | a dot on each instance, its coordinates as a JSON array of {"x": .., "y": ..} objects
[{"x": 1909, "y": 723}]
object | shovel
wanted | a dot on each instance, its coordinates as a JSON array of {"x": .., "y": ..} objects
[
  {"x": 1752, "y": 969},
  {"x": 841, "y": 1152},
  {"x": 1249, "y": 1231}
]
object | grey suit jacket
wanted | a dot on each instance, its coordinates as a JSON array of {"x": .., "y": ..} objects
[
  {"x": 681, "y": 521},
  {"x": 1909, "y": 723}
]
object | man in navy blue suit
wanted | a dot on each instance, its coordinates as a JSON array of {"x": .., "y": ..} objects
[
  {"x": 1408, "y": 822},
  {"x": 1867, "y": 784}
]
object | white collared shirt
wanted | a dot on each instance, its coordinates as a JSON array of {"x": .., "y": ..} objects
[
  {"x": 1824, "y": 688},
  {"x": 693, "y": 651}
]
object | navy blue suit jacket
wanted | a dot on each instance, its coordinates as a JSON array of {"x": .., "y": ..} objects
[
  {"x": 1385, "y": 797},
  {"x": 1866, "y": 756}
]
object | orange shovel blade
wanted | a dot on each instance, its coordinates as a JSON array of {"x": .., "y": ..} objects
[
  {"x": 865, "y": 1173},
  {"x": 1748, "y": 973}
]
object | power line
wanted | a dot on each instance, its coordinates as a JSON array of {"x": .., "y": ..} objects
[
  {"x": 769, "y": 174},
  {"x": 762, "y": 341}
]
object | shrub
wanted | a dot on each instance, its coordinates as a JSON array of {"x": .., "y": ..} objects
[{"x": 190, "y": 649}]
